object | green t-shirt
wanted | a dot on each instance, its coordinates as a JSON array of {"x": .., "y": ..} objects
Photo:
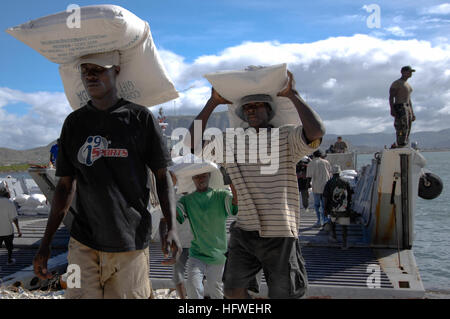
[{"x": 207, "y": 213}]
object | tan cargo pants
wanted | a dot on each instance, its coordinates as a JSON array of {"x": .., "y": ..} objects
[{"x": 103, "y": 275}]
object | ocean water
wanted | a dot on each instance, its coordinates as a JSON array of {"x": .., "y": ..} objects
[
  {"x": 432, "y": 225},
  {"x": 431, "y": 245}
]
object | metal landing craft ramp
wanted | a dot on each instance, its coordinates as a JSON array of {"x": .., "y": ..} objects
[
  {"x": 357, "y": 272},
  {"x": 332, "y": 272}
]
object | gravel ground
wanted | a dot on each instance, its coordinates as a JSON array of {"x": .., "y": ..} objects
[{"x": 20, "y": 293}]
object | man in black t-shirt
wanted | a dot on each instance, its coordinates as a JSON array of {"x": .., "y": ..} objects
[{"x": 106, "y": 150}]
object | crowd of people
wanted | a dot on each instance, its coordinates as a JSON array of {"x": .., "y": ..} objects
[
  {"x": 331, "y": 193},
  {"x": 105, "y": 153}
]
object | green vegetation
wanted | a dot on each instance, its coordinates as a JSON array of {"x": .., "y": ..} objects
[{"x": 14, "y": 168}]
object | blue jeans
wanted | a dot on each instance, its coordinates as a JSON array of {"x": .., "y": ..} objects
[
  {"x": 196, "y": 270},
  {"x": 319, "y": 205}
]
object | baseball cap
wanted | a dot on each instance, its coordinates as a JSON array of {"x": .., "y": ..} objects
[
  {"x": 105, "y": 59},
  {"x": 252, "y": 99},
  {"x": 408, "y": 68}
]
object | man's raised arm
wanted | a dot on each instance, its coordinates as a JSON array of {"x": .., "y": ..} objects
[{"x": 203, "y": 116}]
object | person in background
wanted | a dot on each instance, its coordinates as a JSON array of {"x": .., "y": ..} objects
[
  {"x": 8, "y": 217},
  {"x": 304, "y": 183},
  {"x": 207, "y": 210},
  {"x": 330, "y": 150},
  {"x": 340, "y": 146},
  {"x": 319, "y": 170},
  {"x": 337, "y": 196},
  {"x": 401, "y": 106},
  {"x": 54, "y": 154}
]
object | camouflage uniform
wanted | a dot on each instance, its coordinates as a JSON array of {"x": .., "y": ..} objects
[
  {"x": 402, "y": 123},
  {"x": 401, "y": 110}
]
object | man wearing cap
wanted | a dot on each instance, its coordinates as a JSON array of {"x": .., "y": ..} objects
[
  {"x": 401, "y": 106},
  {"x": 337, "y": 196},
  {"x": 340, "y": 146},
  {"x": 265, "y": 234},
  {"x": 8, "y": 216},
  {"x": 106, "y": 148}
]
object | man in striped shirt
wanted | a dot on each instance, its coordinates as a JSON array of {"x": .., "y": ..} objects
[{"x": 265, "y": 234}]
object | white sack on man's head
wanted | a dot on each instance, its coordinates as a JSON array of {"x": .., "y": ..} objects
[
  {"x": 185, "y": 167},
  {"x": 142, "y": 78},
  {"x": 234, "y": 85},
  {"x": 100, "y": 28},
  {"x": 104, "y": 28}
]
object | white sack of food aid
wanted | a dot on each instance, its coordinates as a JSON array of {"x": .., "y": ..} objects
[
  {"x": 349, "y": 172},
  {"x": 65, "y": 36},
  {"x": 185, "y": 167},
  {"x": 234, "y": 85},
  {"x": 27, "y": 211},
  {"x": 21, "y": 199},
  {"x": 43, "y": 210},
  {"x": 34, "y": 201},
  {"x": 142, "y": 79}
]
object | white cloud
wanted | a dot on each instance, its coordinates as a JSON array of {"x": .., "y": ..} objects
[
  {"x": 398, "y": 32},
  {"x": 441, "y": 9},
  {"x": 331, "y": 83},
  {"x": 40, "y": 125},
  {"x": 345, "y": 79}
]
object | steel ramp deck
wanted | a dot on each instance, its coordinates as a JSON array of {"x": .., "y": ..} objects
[
  {"x": 326, "y": 265},
  {"x": 25, "y": 247}
]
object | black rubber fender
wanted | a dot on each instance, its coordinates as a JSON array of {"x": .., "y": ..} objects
[{"x": 430, "y": 186}]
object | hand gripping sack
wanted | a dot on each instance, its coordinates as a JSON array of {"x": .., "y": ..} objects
[
  {"x": 102, "y": 28},
  {"x": 234, "y": 85}
]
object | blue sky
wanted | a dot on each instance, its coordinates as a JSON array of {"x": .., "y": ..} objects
[{"x": 342, "y": 67}]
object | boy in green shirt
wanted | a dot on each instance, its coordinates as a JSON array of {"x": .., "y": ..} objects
[{"x": 207, "y": 210}]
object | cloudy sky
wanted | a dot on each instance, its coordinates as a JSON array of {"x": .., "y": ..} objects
[{"x": 343, "y": 55}]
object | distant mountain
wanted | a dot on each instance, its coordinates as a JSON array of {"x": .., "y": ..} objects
[
  {"x": 39, "y": 155},
  {"x": 362, "y": 143},
  {"x": 371, "y": 142}
]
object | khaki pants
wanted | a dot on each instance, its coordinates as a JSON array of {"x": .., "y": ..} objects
[{"x": 103, "y": 275}]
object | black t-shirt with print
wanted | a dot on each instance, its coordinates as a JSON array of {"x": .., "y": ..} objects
[{"x": 109, "y": 153}]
